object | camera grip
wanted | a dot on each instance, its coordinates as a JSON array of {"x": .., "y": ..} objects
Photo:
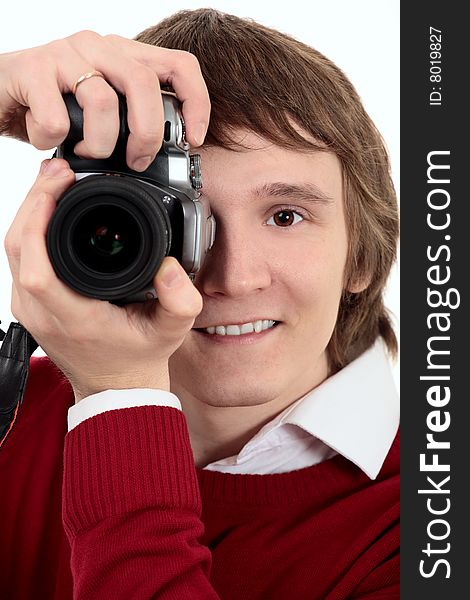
[{"x": 75, "y": 112}]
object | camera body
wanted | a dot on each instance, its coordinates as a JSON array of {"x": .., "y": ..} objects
[{"x": 113, "y": 227}]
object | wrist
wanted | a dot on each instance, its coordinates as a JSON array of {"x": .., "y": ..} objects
[{"x": 82, "y": 391}]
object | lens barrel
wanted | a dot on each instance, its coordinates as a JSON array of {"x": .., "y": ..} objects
[{"x": 108, "y": 236}]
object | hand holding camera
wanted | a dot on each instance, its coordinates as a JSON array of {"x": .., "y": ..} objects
[
  {"x": 33, "y": 81},
  {"x": 97, "y": 344}
]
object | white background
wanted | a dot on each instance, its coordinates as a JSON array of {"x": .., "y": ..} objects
[{"x": 360, "y": 36}]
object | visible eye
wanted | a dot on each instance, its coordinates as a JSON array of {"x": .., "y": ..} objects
[{"x": 285, "y": 218}]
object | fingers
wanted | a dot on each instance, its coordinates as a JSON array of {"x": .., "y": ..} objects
[
  {"x": 35, "y": 282},
  {"x": 100, "y": 119},
  {"x": 179, "y": 301},
  {"x": 145, "y": 121},
  {"x": 182, "y": 72},
  {"x": 38, "y": 77},
  {"x": 34, "y": 273},
  {"x": 54, "y": 178},
  {"x": 33, "y": 276},
  {"x": 47, "y": 120},
  {"x": 191, "y": 90},
  {"x": 143, "y": 97},
  {"x": 116, "y": 57},
  {"x": 95, "y": 95}
]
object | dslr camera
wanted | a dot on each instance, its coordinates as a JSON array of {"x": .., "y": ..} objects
[{"x": 111, "y": 230}]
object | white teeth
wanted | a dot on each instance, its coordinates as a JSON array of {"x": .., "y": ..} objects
[
  {"x": 257, "y": 327},
  {"x": 247, "y": 328}
]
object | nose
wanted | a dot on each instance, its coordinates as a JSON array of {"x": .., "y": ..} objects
[{"x": 236, "y": 265}]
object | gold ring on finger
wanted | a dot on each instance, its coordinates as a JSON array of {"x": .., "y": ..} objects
[{"x": 86, "y": 76}]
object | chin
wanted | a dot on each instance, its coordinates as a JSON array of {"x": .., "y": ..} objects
[
  {"x": 229, "y": 392},
  {"x": 231, "y": 398}
]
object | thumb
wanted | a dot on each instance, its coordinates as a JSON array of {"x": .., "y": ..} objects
[{"x": 179, "y": 301}]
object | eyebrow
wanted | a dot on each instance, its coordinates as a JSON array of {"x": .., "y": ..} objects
[{"x": 306, "y": 192}]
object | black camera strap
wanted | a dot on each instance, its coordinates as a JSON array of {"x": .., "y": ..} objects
[{"x": 15, "y": 352}]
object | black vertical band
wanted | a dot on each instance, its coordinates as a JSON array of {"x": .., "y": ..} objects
[{"x": 434, "y": 303}]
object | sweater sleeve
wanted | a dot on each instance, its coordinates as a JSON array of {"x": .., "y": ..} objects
[
  {"x": 131, "y": 508},
  {"x": 112, "y": 399}
]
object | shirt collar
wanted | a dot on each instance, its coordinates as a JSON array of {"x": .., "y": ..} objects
[{"x": 355, "y": 412}]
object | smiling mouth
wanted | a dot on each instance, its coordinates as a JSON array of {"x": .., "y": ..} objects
[{"x": 239, "y": 330}]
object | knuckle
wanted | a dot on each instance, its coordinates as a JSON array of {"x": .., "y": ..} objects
[
  {"x": 85, "y": 36},
  {"x": 188, "y": 319},
  {"x": 113, "y": 38},
  {"x": 197, "y": 307},
  {"x": 54, "y": 49},
  {"x": 34, "y": 283},
  {"x": 53, "y": 125},
  {"x": 187, "y": 59},
  {"x": 12, "y": 246},
  {"x": 191, "y": 309}
]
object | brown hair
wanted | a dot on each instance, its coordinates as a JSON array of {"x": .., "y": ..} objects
[{"x": 265, "y": 81}]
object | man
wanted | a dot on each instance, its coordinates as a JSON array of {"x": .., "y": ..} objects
[{"x": 279, "y": 476}]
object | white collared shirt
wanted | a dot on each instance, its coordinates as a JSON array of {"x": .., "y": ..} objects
[{"x": 354, "y": 413}]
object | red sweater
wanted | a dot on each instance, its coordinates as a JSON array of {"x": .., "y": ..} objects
[{"x": 126, "y": 494}]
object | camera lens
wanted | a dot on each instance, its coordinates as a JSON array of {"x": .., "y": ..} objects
[
  {"x": 108, "y": 236},
  {"x": 107, "y": 239}
]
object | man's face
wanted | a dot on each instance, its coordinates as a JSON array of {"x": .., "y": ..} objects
[{"x": 279, "y": 255}]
